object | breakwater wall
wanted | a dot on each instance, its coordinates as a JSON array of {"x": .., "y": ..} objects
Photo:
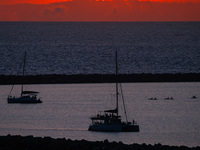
[{"x": 98, "y": 78}]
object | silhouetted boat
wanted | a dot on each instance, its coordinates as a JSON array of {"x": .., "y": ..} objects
[
  {"x": 169, "y": 98},
  {"x": 194, "y": 97},
  {"x": 152, "y": 98},
  {"x": 26, "y": 96},
  {"x": 110, "y": 121}
]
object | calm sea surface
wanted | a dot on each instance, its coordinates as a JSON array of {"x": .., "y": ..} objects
[
  {"x": 66, "y": 109},
  {"x": 88, "y": 48}
]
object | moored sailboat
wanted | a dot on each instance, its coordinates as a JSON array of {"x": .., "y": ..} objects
[
  {"x": 111, "y": 121},
  {"x": 26, "y": 96}
]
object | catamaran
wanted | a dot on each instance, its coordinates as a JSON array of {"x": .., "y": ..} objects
[
  {"x": 26, "y": 96},
  {"x": 111, "y": 121}
]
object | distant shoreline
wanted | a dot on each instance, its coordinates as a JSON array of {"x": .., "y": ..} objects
[
  {"x": 97, "y": 78},
  {"x": 38, "y": 143}
]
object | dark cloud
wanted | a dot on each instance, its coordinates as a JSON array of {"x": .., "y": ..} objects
[
  {"x": 114, "y": 11},
  {"x": 57, "y": 11}
]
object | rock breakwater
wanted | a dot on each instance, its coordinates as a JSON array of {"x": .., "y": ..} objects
[
  {"x": 97, "y": 78},
  {"x": 47, "y": 143}
]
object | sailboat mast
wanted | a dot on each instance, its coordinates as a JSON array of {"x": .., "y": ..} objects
[
  {"x": 117, "y": 93},
  {"x": 23, "y": 71}
]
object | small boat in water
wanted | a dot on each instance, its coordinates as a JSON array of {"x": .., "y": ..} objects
[
  {"x": 169, "y": 98},
  {"x": 152, "y": 98},
  {"x": 111, "y": 121},
  {"x": 26, "y": 96},
  {"x": 194, "y": 97}
]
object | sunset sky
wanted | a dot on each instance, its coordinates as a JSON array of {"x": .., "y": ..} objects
[{"x": 99, "y": 10}]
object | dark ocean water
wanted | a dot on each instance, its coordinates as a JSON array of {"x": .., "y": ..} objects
[{"x": 88, "y": 48}]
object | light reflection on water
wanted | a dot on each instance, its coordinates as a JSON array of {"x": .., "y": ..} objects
[{"x": 66, "y": 109}]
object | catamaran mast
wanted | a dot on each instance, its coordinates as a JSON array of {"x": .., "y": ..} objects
[
  {"x": 117, "y": 93},
  {"x": 23, "y": 71},
  {"x": 117, "y": 87}
]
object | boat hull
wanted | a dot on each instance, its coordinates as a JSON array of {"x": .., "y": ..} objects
[
  {"x": 24, "y": 100},
  {"x": 114, "y": 128}
]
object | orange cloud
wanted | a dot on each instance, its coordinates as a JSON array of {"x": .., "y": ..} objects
[
  {"x": 170, "y": 1},
  {"x": 100, "y": 10},
  {"x": 11, "y": 2},
  {"x": 178, "y": 1}
]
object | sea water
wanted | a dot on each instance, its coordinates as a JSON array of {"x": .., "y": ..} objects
[
  {"x": 89, "y": 47},
  {"x": 67, "y": 108}
]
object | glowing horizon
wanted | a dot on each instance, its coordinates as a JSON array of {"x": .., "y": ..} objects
[
  {"x": 172, "y": 1},
  {"x": 11, "y": 2},
  {"x": 100, "y": 10}
]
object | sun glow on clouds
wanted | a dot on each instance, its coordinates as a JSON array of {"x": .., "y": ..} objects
[
  {"x": 104, "y": 0},
  {"x": 177, "y": 1},
  {"x": 11, "y": 2},
  {"x": 99, "y": 10}
]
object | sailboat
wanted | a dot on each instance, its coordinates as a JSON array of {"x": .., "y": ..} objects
[
  {"x": 26, "y": 96},
  {"x": 111, "y": 121}
]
